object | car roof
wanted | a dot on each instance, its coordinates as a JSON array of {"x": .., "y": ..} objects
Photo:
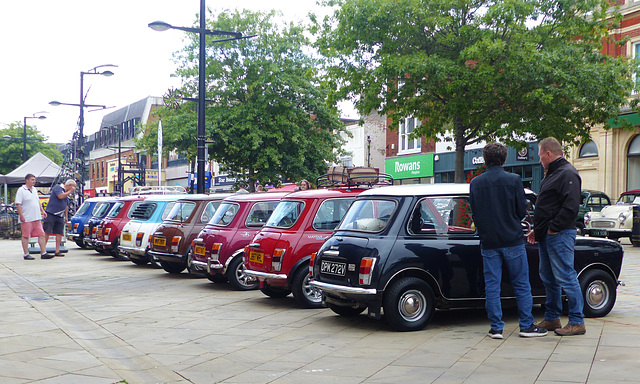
[
  {"x": 424, "y": 189},
  {"x": 252, "y": 197},
  {"x": 164, "y": 197},
  {"x": 593, "y": 192},
  {"x": 632, "y": 192},
  {"x": 324, "y": 193},
  {"x": 203, "y": 197},
  {"x": 99, "y": 199},
  {"x": 133, "y": 198}
]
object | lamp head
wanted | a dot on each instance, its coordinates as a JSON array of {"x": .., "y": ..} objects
[
  {"x": 7, "y": 137},
  {"x": 55, "y": 103},
  {"x": 107, "y": 73},
  {"x": 41, "y": 117},
  {"x": 160, "y": 26}
]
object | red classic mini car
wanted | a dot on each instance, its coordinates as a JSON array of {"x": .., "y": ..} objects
[
  {"x": 108, "y": 231},
  {"x": 279, "y": 254},
  {"x": 219, "y": 248}
]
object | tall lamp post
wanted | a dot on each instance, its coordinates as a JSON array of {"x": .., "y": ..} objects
[
  {"x": 79, "y": 155},
  {"x": 202, "y": 31},
  {"x": 119, "y": 184},
  {"x": 24, "y": 133}
]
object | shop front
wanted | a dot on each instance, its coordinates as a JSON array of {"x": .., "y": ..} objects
[
  {"x": 415, "y": 169},
  {"x": 525, "y": 163}
]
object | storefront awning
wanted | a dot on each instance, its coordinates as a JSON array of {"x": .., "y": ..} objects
[{"x": 632, "y": 118}]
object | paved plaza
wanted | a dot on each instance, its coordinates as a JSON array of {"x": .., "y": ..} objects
[{"x": 88, "y": 318}]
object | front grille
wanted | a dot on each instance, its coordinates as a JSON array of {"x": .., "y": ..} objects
[{"x": 603, "y": 224}]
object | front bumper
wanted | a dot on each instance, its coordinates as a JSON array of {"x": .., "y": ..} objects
[{"x": 611, "y": 233}]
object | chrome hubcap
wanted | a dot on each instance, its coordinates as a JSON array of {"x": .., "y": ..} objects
[
  {"x": 412, "y": 305},
  {"x": 313, "y": 294},
  {"x": 597, "y": 294}
]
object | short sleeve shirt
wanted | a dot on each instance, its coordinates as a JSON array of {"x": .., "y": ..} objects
[
  {"x": 56, "y": 205},
  {"x": 30, "y": 202}
]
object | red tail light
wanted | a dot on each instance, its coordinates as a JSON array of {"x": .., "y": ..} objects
[
  {"x": 106, "y": 233},
  {"x": 139, "y": 237},
  {"x": 366, "y": 270},
  {"x": 175, "y": 243},
  {"x": 276, "y": 261}
]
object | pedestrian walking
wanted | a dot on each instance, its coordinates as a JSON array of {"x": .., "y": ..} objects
[
  {"x": 498, "y": 204},
  {"x": 58, "y": 211},
  {"x": 30, "y": 213},
  {"x": 554, "y": 229}
]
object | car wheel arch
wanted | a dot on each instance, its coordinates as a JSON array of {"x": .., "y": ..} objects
[
  {"x": 599, "y": 266},
  {"x": 302, "y": 263},
  {"x": 236, "y": 253},
  {"x": 415, "y": 272}
]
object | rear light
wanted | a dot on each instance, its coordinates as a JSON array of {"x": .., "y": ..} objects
[
  {"x": 150, "y": 239},
  {"x": 106, "y": 232},
  {"x": 139, "y": 237},
  {"x": 276, "y": 260},
  {"x": 75, "y": 226},
  {"x": 175, "y": 243},
  {"x": 311, "y": 261},
  {"x": 94, "y": 231},
  {"x": 215, "y": 248},
  {"x": 366, "y": 270}
]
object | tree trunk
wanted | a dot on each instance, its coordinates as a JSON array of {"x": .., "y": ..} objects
[{"x": 461, "y": 143}]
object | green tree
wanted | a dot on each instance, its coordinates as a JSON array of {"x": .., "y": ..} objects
[
  {"x": 11, "y": 150},
  {"x": 268, "y": 117},
  {"x": 474, "y": 70}
]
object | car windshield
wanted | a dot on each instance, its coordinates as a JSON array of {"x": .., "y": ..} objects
[
  {"x": 286, "y": 214},
  {"x": 260, "y": 213},
  {"x": 224, "y": 214},
  {"x": 117, "y": 207},
  {"x": 331, "y": 213},
  {"x": 629, "y": 199},
  {"x": 83, "y": 208},
  {"x": 368, "y": 215},
  {"x": 181, "y": 211}
]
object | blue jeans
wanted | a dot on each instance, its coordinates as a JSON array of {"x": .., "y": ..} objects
[
  {"x": 558, "y": 273},
  {"x": 515, "y": 258}
]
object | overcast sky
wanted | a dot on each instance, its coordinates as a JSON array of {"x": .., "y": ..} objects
[{"x": 44, "y": 45}]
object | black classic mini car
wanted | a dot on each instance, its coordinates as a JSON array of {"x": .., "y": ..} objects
[{"x": 405, "y": 251}]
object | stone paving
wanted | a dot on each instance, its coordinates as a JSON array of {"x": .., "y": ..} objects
[{"x": 87, "y": 318}]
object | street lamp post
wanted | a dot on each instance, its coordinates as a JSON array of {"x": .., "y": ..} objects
[
  {"x": 79, "y": 153},
  {"x": 119, "y": 184},
  {"x": 24, "y": 133},
  {"x": 202, "y": 31}
]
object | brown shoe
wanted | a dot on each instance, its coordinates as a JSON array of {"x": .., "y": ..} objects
[
  {"x": 549, "y": 325},
  {"x": 571, "y": 330}
]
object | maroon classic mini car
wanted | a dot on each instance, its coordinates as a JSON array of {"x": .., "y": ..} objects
[{"x": 219, "y": 248}]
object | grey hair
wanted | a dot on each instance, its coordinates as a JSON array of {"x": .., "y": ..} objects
[{"x": 70, "y": 182}]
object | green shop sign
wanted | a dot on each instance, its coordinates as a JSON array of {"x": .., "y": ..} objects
[{"x": 408, "y": 167}]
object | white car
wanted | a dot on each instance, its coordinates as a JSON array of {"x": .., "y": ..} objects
[
  {"x": 614, "y": 221},
  {"x": 145, "y": 219}
]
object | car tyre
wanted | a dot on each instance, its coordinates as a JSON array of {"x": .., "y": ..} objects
[
  {"x": 580, "y": 229},
  {"x": 306, "y": 295},
  {"x": 275, "y": 292},
  {"x": 80, "y": 243},
  {"x": 237, "y": 278},
  {"x": 598, "y": 291},
  {"x": 346, "y": 311},
  {"x": 218, "y": 279},
  {"x": 172, "y": 267},
  {"x": 138, "y": 261},
  {"x": 409, "y": 304}
]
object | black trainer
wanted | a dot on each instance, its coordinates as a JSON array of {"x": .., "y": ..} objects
[
  {"x": 533, "y": 331},
  {"x": 494, "y": 334},
  {"x": 29, "y": 257},
  {"x": 46, "y": 256}
]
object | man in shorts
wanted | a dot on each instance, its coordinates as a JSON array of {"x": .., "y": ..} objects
[
  {"x": 58, "y": 211},
  {"x": 30, "y": 213}
]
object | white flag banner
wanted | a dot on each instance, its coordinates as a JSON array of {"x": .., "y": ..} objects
[{"x": 160, "y": 153}]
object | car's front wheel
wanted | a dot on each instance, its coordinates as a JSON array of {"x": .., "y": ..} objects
[
  {"x": 305, "y": 294},
  {"x": 580, "y": 228},
  {"x": 237, "y": 278},
  {"x": 409, "y": 304},
  {"x": 599, "y": 292}
]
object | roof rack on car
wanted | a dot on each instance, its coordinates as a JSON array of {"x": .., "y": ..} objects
[
  {"x": 348, "y": 177},
  {"x": 159, "y": 190}
]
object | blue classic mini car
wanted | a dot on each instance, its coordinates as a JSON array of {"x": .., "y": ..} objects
[{"x": 405, "y": 251}]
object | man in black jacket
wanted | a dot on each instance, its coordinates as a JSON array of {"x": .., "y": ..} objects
[
  {"x": 555, "y": 231},
  {"x": 498, "y": 204}
]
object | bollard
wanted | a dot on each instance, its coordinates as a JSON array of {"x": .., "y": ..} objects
[{"x": 635, "y": 230}]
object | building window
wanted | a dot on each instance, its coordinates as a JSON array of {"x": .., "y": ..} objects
[
  {"x": 406, "y": 144},
  {"x": 589, "y": 149},
  {"x": 636, "y": 78},
  {"x": 633, "y": 164},
  {"x": 346, "y": 161}
]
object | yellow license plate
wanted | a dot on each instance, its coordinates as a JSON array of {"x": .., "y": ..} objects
[
  {"x": 99, "y": 232},
  {"x": 126, "y": 237},
  {"x": 256, "y": 257},
  {"x": 199, "y": 250},
  {"x": 68, "y": 226},
  {"x": 86, "y": 231},
  {"x": 159, "y": 241}
]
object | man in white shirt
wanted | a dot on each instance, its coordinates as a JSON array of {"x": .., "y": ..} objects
[{"x": 30, "y": 213}]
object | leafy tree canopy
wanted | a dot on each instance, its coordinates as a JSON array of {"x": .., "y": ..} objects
[
  {"x": 268, "y": 116},
  {"x": 11, "y": 150},
  {"x": 475, "y": 70}
]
